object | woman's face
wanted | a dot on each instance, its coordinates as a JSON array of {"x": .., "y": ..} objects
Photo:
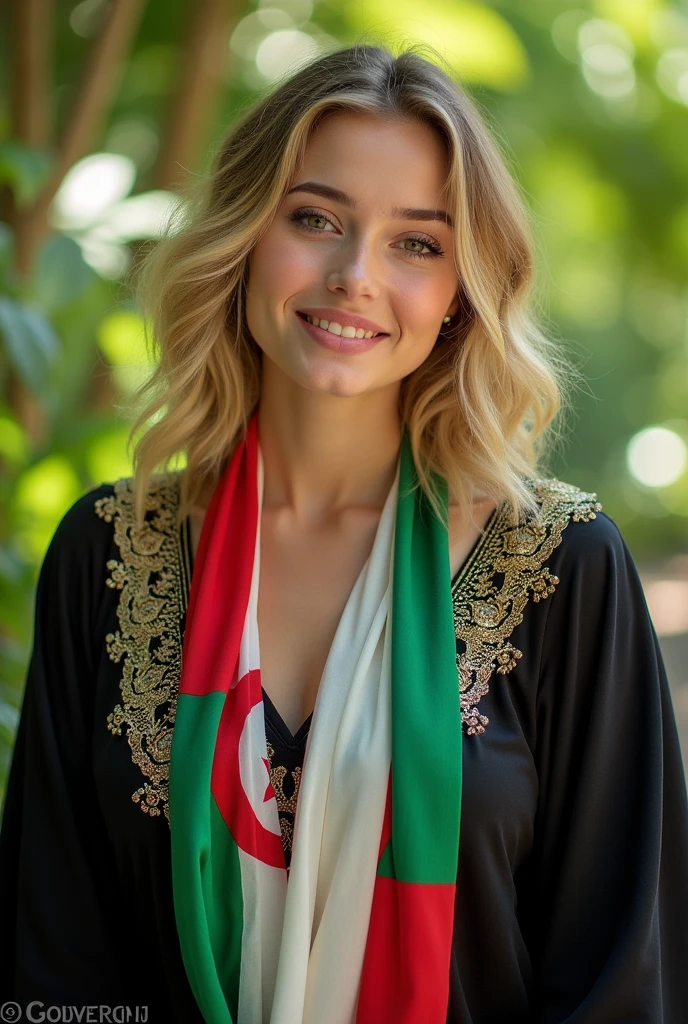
[{"x": 351, "y": 237}]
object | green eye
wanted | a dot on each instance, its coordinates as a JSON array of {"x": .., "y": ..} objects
[
  {"x": 425, "y": 243},
  {"x": 301, "y": 217}
]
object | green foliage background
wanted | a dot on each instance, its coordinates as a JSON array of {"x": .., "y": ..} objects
[{"x": 605, "y": 172}]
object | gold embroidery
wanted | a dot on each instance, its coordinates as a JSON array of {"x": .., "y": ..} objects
[
  {"x": 152, "y": 578},
  {"x": 485, "y": 612},
  {"x": 148, "y": 642},
  {"x": 285, "y": 804}
]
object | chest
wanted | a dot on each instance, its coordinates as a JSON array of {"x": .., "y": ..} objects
[{"x": 306, "y": 577}]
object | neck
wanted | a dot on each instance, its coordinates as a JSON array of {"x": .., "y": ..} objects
[{"x": 323, "y": 454}]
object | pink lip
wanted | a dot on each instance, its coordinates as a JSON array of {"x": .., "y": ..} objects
[
  {"x": 334, "y": 343},
  {"x": 339, "y": 316}
]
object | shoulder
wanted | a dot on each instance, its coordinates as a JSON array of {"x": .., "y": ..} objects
[
  {"x": 565, "y": 518},
  {"x": 560, "y": 499},
  {"x": 80, "y": 535},
  {"x": 589, "y": 529},
  {"x": 71, "y": 577},
  {"x": 140, "y": 549},
  {"x": 589, "y": 554},
  {"x": 117, "y": 503},
  {"x": 78, "y": 522},
  {"x": 523, "y": 557},
  {"x": 94, "y": 522},
  {"x": 114, "y": 506}
]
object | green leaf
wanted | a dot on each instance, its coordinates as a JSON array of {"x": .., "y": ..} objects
[
  {"x": 25, "y": 169},
  {"x": 6, "y": 250},
  {"x": 29, "y": 341},
  {"x": 60, "y": 275}
]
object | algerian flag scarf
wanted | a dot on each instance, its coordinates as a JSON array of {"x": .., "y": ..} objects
[{"x": 359, "y": 930}]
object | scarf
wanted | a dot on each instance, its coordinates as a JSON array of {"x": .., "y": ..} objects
[{"x": 359, "y": 930}]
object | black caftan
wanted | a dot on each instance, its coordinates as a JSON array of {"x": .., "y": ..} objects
[{"x": 572, "y": 880}]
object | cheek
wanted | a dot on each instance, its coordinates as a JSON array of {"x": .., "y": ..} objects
[
  {"x": 421, "y": 300},
  {"x": 278, "y": 267}
]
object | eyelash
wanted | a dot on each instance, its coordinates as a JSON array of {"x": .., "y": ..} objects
[{"x": 435, "y": 250}]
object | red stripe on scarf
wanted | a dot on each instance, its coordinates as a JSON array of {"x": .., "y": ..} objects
[
  {"x": 400, "y": 982},
  {"x": 211, "y": 663},
  {"x": 400, "y": 911}
]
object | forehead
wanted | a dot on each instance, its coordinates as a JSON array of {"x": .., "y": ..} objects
[{"x": 381, "y": 162}]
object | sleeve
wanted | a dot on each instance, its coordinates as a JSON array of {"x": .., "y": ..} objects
[
  {"x": 58, "y": 888},
  {"x": 607, "y": 922}
]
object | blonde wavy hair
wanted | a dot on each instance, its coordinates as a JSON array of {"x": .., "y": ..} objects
[{"x": 477, "y": 410}]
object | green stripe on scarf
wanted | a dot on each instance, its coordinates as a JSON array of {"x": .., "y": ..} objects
[
  {"x": 426, "y": 712},
  {"x": 208, "y": 906}
]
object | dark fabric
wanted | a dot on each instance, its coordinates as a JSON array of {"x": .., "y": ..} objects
[
  {"x": 286, "y": 753},
  {"x": 572, "y": 884}
]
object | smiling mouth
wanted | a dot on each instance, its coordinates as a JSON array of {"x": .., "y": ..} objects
[{"x": 339, "y": 331}]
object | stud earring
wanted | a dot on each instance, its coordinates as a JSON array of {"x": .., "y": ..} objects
[{"x": 446, "y": 320}]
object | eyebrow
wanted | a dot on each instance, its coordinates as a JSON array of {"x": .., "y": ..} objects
[{"x": 402, "y": 213}]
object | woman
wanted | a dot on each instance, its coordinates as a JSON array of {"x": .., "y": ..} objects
[{"x": 446, "y": 784}]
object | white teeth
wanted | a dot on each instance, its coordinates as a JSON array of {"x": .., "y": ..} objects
[{"x": 337, "y": 329}]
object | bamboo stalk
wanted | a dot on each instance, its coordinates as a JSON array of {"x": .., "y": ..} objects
[
  {"x": 196, "y": 92},
  {"x": 31, "y": 31},
  {"x": 94, "y": 94}
]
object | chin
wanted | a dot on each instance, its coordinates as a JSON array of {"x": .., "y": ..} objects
[
  {"x": 340, "y": 381},
  {"x": 339, "y": 387}
]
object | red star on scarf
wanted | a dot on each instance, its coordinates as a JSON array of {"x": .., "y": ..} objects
[{"x": 269, "y": 791}]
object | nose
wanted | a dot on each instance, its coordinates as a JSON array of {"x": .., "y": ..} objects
[{"x": 354, "y": 272}]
